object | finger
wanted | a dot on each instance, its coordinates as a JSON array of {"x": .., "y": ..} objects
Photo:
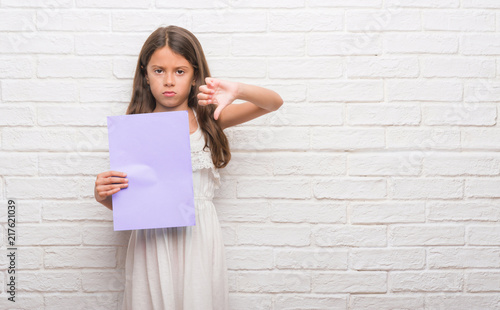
[
  {"x": 202, "y": 96},
  {"x": 105, "y": 189},
  {"x": 111, "y": 173},
  {"x": 206, "y": 89}
]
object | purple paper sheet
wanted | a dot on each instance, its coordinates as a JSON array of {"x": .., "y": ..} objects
[{"x": 155, "y": 152}]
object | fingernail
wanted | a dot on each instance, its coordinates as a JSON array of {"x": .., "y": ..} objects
[{"x": 126, "y": 180}]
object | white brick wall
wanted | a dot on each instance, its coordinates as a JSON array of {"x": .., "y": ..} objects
[{"x": 376, "y": 186}]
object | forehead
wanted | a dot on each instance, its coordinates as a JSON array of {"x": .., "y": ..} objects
[{"x": 165, "y": 57}]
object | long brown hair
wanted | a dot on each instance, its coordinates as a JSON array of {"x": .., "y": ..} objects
[{"x": 184, "y": 43}]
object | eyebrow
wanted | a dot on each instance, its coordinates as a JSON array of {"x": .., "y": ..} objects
[{"x": 179, "y": 67}]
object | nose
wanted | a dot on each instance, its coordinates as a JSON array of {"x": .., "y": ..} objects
[{"x": 169, "y": 79}]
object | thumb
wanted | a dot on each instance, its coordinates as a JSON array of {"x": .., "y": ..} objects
[
  {"x": 217, "y": 111},
  {"x": 209, "y": 80}
]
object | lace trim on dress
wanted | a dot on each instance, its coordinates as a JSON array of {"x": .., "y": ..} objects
[{"x": 203, "y": 160}]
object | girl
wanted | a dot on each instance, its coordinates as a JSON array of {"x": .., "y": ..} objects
[{"x": 184, "y": 267}]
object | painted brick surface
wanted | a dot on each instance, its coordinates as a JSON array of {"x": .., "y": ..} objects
[{"x": 375, "y": 186}]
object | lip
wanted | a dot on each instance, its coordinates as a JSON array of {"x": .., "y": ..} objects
[{"x": 168, "y": 93}]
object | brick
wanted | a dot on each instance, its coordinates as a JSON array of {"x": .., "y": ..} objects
[
  {"x": 104, "y": 235},
  {"x": 13, "y": 67},
  {"x": 79, "y": 257},
  {"x": 426, "y": 234},
  {"x": 238, "y": 68},
  {"x": 459, "y": 114},
  {"x": 308, "y": 164},
  {"x": 340, "y": 3},
  {"x": 426, "y": 281},
  {"x": 387, "y": 302},
  {"x": 387, "y": 114},
  {"x": 28, "y": 211},
  {"x": 106, "y": 91},
  {"x": 479, "y": 91},
  {"x": 27, "y": 301},
  {"x": 463, "y": 257},
  {"x": 483, "y": 235},
  {"x": 350, "y": 91},
  {"x": 16, "y": 20},
  {"x": 75, "y": 211},
  {"x": 28, "y": 258},
  {"x": 419, "y": 139},
  {"x": 268, "y": 45},
  {"x": 425, "y": 43},
  {"x": 482, "y": 4},
  {"x": 382, "y": 67},
  {"x": 62, "y": 139},
  {"x": 269, "y": 138},
  {"x": 318, "y": 258},
  {"x": 308, "y": 212},
  {"x": 319, "y": 44},
  {"x": 314, "y": 20},
  {"x": 229, "y": 21},
  {"x": 382, "y": 20},
  {"x": 18, "y": 164},
  {"x": 343, "y": 139},
  {"x": 12, "y": 115},
  {"x": 482, "y": 281},
  {"x": 113, "y": 4},
  {"x": 51, "y": 281},
  {"x": 242, "y": 211},
  {"x": 306, "y": 301},
  {"x": 350, "y": 235},
  {"x": 36, "y": 43},
  {"x": 103, "y": 281},
  {"x": 482, "y": 188},
  {"x": 43, "y": 187},
  {"x": 39, "y": 91},
  {"x": 109, "y": 44},
  {"x": 45, "y": 234},
  {"x": 214, "y": 45},
  {"x": 453, "y": 164},
  {"x": 386, "y": 212},
  {"x": 309, "y": 68},
  {"x": 351, "y": 188},
  {"x": 81, "y": 115},
  {"x": 423, "y": 3},
  {"x": 253, "y": 188},
  {"x": 267, "y": 4},
  {"x": 387, "y": 259},
  {"x": 322, "y": 114},
  {"x": 250, "y": 301},
  {"x": 49, "y": 5},
  {"x": 350, "y": 282},
  {"x": 249, "y": 258},
  {"x": 480, "y": 44},
  {"x": 465, "y": 301},
  {"x": 459, "y": 20},
  {"x": 80, "y": 20},
  {"x": 481, "y": 138},
  {"x": 274, "y": 282},
  {"x": 289, "y": 235},
  {"x": 457, "y": 67},
  {"x": 124, "y": 67},
  {"x": 467, "y": 210},
  {"x": 379, "y": 164},
  {"x": 105, "y": 300},
  {"x": 424, "y": 90},
  {"x": 192, "y": 4},
  {"x": 250, "y": 164},
  {"x": 135, "y": 21},
  {"x": 73, "y": 67},
  {"x": 72, "y": 163}
]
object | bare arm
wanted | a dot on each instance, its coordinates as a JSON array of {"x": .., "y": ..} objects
[{"x": 259, "y": 101}]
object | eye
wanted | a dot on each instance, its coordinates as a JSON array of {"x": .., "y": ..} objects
[
  {"x": 158, "y": 71},
  {"x": 179, "y": 71}
]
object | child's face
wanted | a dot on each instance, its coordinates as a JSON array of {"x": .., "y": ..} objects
[{"x": 170, "y": 77}]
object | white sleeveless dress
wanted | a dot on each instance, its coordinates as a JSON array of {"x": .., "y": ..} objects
[{"x": 181, "y": 268}]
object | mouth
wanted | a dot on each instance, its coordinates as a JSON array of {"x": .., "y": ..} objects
[{"x": 169, "y": 93}]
